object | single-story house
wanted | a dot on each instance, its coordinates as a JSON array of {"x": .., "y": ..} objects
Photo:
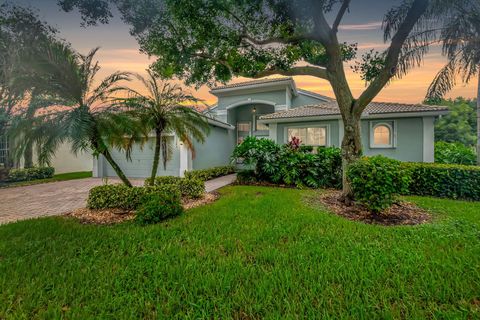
[{"x": 276, "y": 109}]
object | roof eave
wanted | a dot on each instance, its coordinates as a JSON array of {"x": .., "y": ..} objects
[{"x": 434, "y": 113}]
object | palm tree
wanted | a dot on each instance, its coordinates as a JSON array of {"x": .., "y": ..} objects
[
  {"x": 461, "y": 45},
  {"x": 162, "y": 109},
  {"x": 85, "y": 118}
]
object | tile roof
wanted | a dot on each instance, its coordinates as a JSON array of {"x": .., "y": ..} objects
[
  {"x": 253, "y": 82},
  {"x": 328, "y": 109}
]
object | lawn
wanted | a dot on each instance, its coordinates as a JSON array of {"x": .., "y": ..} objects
[
  {"x": 55, "y": 178},
  {"x": 256, "y": 253}
]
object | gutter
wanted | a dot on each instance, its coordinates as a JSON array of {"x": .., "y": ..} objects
[{"x": 367, "y": 116}]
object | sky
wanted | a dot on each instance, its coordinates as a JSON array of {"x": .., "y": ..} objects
[{"x": 120, "y": 51}]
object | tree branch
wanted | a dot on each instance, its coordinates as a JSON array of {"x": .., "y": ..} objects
[
  {"x": 391, "y": 60},
  {"x": 341, "y": 12},
  {"x": 296, "y": 71}
]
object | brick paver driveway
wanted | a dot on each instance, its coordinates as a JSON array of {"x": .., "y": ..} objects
[{"x": 55, "y": 198}]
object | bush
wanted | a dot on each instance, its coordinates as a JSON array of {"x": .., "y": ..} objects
[
  {"x": 30, "y": 174},
  {"x": 157, "y": 207},
  {"x": 208, "y": 174},
  {"x": 454, "y": 153},
  {"x": 377, "y": 181},
  {"x": 282, "y": 164},
  {"x": 161, "y": 180},
  {"x": 246, "y": 177},
  {"x": 444, "y": 180},
  {"x": 189, "y": 187},
  {"x": 123, "y": 197}
]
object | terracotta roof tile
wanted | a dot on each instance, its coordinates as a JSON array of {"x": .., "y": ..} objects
[
  {"x": 328, "y": 109},
  {"x": 253, "y": 82}
]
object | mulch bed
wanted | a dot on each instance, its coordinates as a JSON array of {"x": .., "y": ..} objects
[
  {"x": 114, "y": 216},
  {"x": 401, "y": 213}
]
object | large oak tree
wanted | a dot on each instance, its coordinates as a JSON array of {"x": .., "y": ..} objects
[{"x": 205, "y": 41}]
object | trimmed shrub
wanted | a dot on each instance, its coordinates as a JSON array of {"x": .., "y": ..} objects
[
  {"x": 192, "y": 188},
  {"x": 454, "y": 153},
  {"x": 29, "y": 174},
  {"x": 444, "y": 180},
  {"x": 282, "y": 164},
  {"x": 123, "y": 197},
  {"x": 161, "y": 180},
  {"x": 377, "y": 181},
  {"x": 211, "y": 173},
  {"x": 158, "y": 207}
]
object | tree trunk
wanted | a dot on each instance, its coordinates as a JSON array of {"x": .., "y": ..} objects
[
  {"x": 28, "y": 156},
  {"x": 478, "y": 118},
  {"x": 116, "y": 167},
  {"x": 351, "y": 152},
  {"x": 156, "y": 156}
]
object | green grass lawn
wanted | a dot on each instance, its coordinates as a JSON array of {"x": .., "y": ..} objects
[
  {"x": 55, "y": 178},
  {"x": 256, "y": 253}
]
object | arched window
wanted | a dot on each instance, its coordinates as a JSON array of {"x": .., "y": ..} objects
[{"x": 382, "y": 135}]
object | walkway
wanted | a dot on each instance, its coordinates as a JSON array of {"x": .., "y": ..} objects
[{"x": 55, "y": 198}]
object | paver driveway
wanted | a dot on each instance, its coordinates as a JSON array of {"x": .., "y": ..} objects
[{"x": 55, "y": 198}]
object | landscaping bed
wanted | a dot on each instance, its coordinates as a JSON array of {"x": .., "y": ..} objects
[
  {"x": 400, "y": 213},
  {"x": 109, "y": 216}
]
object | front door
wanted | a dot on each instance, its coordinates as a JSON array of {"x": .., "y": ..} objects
[{"x": 244, "y": 129}]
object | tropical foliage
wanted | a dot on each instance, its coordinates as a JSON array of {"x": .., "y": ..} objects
[
  {"x": 86, "y": 118},
  {"x": 460, "y": 124},
  {"x": 162, "y": 110},
  {"x": 461, "y": 45},
  {"x": 284, "y": 164},
  {"x": 454, "y": 153}
]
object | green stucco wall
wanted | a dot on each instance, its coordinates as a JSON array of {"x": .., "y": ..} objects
[
  {"x": 409, "y": 146},
  {"x": 216, "y": 150},
  {"x": 302, "y": 100},
  {"x": 278, "y": 97}
]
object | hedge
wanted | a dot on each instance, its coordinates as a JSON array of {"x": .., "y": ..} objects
[
  {"x": 189, "y": 187},
  {"x": 158, "y": 207},
  {"x": 30, "y": 174},
  {"x": 444, "y": 180},
  {"x": 208, "y": 174},
  {"x": 123, "y": 197}
]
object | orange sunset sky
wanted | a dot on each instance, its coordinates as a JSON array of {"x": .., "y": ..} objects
[{"x": 120, "y": 51}]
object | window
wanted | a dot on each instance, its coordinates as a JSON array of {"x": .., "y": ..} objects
[
  {"x": 316, "y": 136},
  {"x": 260, "y": 126},
  {"x": 382, "y": 135},
  {"x": 3, "y": 150}
]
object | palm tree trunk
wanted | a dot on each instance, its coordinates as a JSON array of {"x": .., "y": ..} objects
[
  {"x": 478, "y": 118},
  {"x": 28, "y": 156},
  {"x": 117, "y": 168},
  {"x": 156, "y": 156}
]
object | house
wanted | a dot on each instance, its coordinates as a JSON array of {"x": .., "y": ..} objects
[{"x": 276, "y": 109}]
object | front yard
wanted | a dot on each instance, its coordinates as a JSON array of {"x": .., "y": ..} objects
[{"x": 255, "y": 253}]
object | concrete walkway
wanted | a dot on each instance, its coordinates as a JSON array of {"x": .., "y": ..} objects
[{"x": 55, "y": 198}]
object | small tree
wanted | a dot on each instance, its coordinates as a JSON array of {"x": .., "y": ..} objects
[
  {"x": 162, "y": 110},
  {"x": 461, "y": 45},
  {"x": 82, "y": 119}
]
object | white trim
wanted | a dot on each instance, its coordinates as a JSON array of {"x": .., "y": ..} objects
[
  {"x": 272, "y": 132},
  {"x": 374, "y": 116},
  {"x": 280, "y": 107},
  {"x": 288, "y": 98},
  {"x": 428, "y": 139},
  {"x": 392, "y": 127},
  {"x": 249, "y": 101},
  {"x": 314, "y": 95},
  {"x": 326, "y": 126},
  {"x": 258, "y": 87},
  {"x": 341, "y": 132},
  {"x": 183, "y": 159}
]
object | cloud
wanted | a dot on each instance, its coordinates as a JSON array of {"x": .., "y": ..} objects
[{"x": 362, "y": 26}]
